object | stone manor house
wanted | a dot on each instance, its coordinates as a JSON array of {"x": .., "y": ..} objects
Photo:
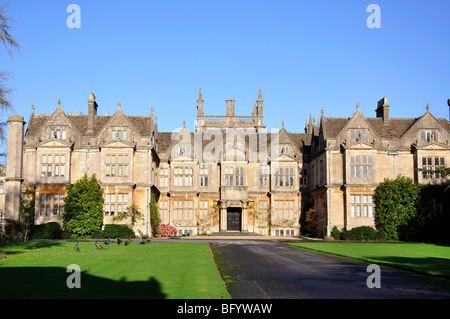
[{"x": 231, "y": 174}]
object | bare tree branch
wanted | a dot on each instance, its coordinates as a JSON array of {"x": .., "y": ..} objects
[{"x": 5, "y": 37}]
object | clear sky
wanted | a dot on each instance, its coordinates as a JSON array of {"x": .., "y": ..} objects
[{"x": 305, "y": 55}]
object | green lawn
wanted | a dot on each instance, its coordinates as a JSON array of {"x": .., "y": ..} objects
[
  {"x": 155, "y": 270},
  {"x": 426, "y": 258}
]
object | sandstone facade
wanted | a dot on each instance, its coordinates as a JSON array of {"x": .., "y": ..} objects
[{"x": 231, "y": 174}]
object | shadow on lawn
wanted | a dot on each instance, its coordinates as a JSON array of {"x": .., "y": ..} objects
[
  {"x": 51, "y": 283},
  {"x": 430, "y": 265}
]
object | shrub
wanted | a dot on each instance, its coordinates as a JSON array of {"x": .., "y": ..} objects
[
  {"x": 336, "y": 233},
  {"x": 165, "y": 230},
  {"x": 48, "y": 231},
  {"x": 113, "y": 230},
  {"x": 364, "y": 233},
  {"x": 358, "y": 233},
  {"x": 347, "y": 235}
]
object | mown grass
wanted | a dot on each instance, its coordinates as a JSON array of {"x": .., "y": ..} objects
[
  {"x": 155, "y": 270},
  {"x": 424, "y": 258}
]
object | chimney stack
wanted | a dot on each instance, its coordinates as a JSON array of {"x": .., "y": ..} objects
[
  {"x": 448, "y": 102},
  {"x": 383, "y": 110},
  {"x": 92, "y": 112}
]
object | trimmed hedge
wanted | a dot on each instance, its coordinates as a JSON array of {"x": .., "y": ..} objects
[
  {"x": 51, "y": 230},
  {"x": 358, "y": 233},
  {"x": 113, "y": 230}
]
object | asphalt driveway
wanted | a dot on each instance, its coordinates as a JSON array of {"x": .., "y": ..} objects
[{"x": 269, "y": 269}]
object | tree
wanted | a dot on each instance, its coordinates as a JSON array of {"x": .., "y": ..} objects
[
  {"x": 10, "y": 44},
  {"x": 5, "y": 37},
  {"x": 155, "y": 220},
  {"x": 83, "y": 208},
  {"x": 395, "y": 205},
  {"x": 26, "y": 212}
]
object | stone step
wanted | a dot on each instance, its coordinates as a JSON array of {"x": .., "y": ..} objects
[{"x": 235, "y": 233}]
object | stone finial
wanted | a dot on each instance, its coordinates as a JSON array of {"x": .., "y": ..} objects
[
  {"x": 428, "y": 107},
  {"x": 322, "y": 111},
  {"x": 357, "y": 106},
  {"x": 260, "y": 94},
  {"x": 200, "y": 97},
  {"x": 153, "y": 109},
  {"x": 282, "y": 124},
  {"x": 119, "y": 104},
  {"x": 32, "y": 108},
  {"x": 59, "y": 102},
  {"x": 184, "y": 123}
]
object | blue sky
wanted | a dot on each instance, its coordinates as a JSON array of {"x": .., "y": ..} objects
[{"x": 305, "y": 55}]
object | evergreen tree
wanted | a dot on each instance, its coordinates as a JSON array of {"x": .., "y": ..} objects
[
  {"x": 83, "y": 208},
  {"x": 395, "y": 205}
]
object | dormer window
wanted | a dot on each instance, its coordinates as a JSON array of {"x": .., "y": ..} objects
[
  {"x": 119, "y": 134},
  {"x": 58, "y": 133},
  {"x": 184, "y": 149},
  {"x": 428, "y": 136},
  {"x": 284, "y": 149},
  {"x": 358, "y": 135}
]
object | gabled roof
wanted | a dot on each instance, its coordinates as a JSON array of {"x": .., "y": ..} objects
[
  {"x": 332, "y": 126},
  {"x": 140, "y": 123},
  {"x": 395, "y": 128}
]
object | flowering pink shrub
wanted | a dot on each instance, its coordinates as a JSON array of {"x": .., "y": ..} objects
[{"x": 165, "y": 230}]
